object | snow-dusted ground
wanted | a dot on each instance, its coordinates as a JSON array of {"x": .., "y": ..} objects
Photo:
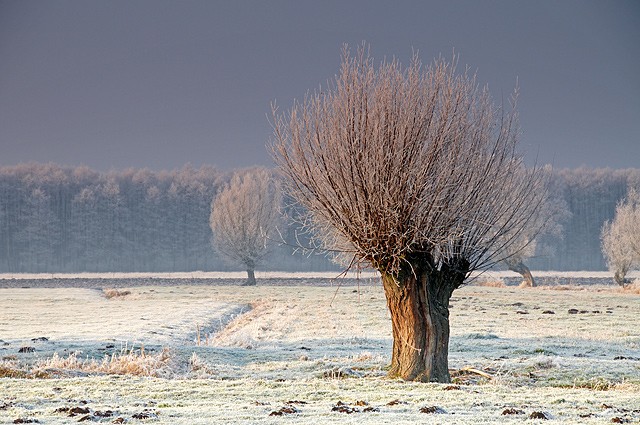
[{"x": 262, "y": 347}]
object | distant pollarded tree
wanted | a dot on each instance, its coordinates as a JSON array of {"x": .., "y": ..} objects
[
  {"x": 548, "y": 224},
  {"x": 414, "y": 172},
  {"x": 131, "y": 220},
  {"x": 621, "y": 238},
  {"x": 244, "y": 217}
]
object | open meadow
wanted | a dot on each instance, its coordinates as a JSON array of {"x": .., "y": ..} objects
[{"x": 310, "y": 353}]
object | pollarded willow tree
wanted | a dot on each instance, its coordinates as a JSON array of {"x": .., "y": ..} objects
[
  {"x": 547, "y": 223},
  {"x": 621, "y": 238},
  {"x": 244, "y": 216},
  {"x": 414, "y": 172}
]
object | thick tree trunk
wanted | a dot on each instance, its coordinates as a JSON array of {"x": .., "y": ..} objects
[
  {"x": 516, "y": 265},
  {"x": 251, "y": 278},
  {"x": 418, "y": 301}
]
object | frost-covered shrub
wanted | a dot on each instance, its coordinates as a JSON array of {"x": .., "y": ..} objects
[
  {"x": 244, "y": 218},
  {"x": 621, "y": 238}
]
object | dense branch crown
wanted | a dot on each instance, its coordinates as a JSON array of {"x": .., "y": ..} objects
[
  {"x": 621, "y": 238},
  {"x": 395, "y": 162},
  {"x": 245, "y": 215}
]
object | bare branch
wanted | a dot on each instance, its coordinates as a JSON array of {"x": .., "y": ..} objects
[
  {"x": 245, "y": 215},
  {"x": 621, "y": 238},
  {"x": 393, "y": 161}
]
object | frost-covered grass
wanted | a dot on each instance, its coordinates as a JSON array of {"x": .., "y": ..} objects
[{"x": 230, "y": 354}]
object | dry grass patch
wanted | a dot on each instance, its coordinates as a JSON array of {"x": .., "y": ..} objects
[
  {"x": 110, "y": 293},
  {"x": 633, "y": 288},
  {"x": 596, "y": 384},
  {"x": 491, "y": 283},
  {"x": 127, "y": 362},
  {"x": 10, "y": 369},
  {"x": 562, "y": 287},
  {"x": 199, "y": 367}
]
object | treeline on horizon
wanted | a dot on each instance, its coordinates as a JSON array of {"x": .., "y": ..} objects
[{"x": 64, "y": 219}]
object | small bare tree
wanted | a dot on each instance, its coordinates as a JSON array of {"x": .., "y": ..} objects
[
  {"x": 621, "y": 238},
  {"x": 413, "y": 172},
  {"x": 547, "y": 223},
  {"x": 243, "y": 217}
]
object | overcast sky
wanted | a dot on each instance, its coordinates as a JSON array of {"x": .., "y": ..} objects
[{"x": 158, "y": 84}]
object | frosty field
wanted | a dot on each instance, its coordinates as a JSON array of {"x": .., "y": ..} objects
[{"x": 231, "y": 354}]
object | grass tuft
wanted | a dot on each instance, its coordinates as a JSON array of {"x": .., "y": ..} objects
[
  {"x": 199, "y": 367},
  {"x": 9, "y": 369},
  {"x": 491, "y": 283},
  {"x": 633, "y": 288},
  {"x": 110, "y": 293},
  {"x": 127, "y": 362},
  {"x": 596, "y": 384}
]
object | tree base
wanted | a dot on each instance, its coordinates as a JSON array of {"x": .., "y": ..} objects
[
  {"x": 251, "y": 278},
  {"x": 516, "y": 265},
  {"x": 418, "y": 302}
]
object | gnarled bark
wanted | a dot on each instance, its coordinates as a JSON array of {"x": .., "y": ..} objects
[{"x": 418, "y": 301}]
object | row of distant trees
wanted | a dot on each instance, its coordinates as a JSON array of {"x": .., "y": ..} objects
[
  {"x": 591, "y": 196},
  {"x": 55, "y": 219},
  {"x": 62, "y": 219},
  {"x": 75, "y": 219}
]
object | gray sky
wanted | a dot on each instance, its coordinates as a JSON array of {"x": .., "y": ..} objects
[{"x": 157, "y": 84}]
